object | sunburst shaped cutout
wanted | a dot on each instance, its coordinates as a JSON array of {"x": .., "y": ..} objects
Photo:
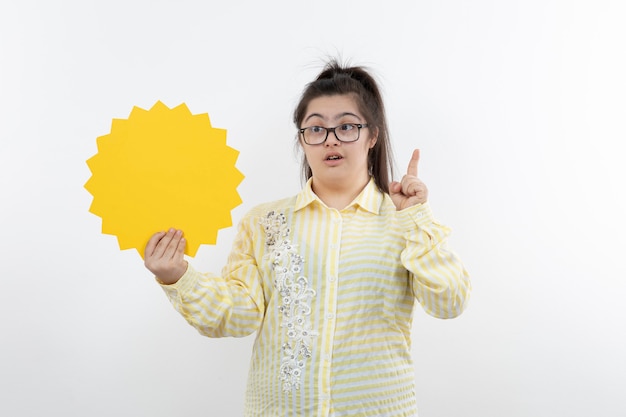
[{"x": 163, "y": 168}]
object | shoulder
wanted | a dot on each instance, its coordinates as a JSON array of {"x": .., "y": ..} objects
[{"x": 278, "y": 206}]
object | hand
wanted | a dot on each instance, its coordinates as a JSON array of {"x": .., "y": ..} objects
[
  {"x": 164, "y": 256},
  {"x": 410, "y": 191}
]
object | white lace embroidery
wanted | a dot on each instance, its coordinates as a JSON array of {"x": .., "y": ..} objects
[{"x": 295, "y": 299}]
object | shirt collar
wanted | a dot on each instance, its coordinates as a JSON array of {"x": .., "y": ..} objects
[{"x": 370, "y": 198}]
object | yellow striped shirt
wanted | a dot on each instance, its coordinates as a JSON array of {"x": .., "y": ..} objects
[{"x": 330, "y": 294}]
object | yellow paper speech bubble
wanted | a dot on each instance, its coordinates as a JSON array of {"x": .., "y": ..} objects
[{"x": 163, "y": 168}]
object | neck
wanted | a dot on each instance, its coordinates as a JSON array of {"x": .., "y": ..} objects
[{"x": 336, "y": 194}]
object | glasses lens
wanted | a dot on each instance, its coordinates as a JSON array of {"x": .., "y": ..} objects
[
  {"x": 314, "y": 135},
  {"x": 347, "y": 132}
]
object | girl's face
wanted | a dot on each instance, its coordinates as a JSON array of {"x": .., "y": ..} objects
[{"x": 334, "y": 160}]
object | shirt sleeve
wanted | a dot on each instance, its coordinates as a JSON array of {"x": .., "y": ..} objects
[
  {"x": 228, "y": 305},
  {"x": 439, "y": 279}
]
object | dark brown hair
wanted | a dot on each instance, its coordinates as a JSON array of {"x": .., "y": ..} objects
[{"x": 336, "y": 79}]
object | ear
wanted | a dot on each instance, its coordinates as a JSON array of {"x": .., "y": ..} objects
[
  {"x": 373, "y": 138},
  {"x": 300, "y": 140}
]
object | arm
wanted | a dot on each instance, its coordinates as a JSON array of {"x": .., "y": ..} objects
[
  {"x": 439, "y": 280},
  {"x": 217, "y": 306}
]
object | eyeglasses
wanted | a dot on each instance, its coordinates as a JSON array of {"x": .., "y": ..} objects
[{"x": 347, "y": 132}]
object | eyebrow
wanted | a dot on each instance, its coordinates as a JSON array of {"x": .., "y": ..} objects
[{"x": 339, "y": 116}]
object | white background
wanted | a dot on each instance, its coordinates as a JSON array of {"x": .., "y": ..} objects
[{"x": 519, "y": 110}]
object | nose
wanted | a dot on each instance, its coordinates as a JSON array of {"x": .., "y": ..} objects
[{"x": 331, "y": 139}]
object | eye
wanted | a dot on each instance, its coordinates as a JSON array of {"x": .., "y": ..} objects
[
  {"x": 346, "y": 127},
  {"x": 316, "y": 129}
]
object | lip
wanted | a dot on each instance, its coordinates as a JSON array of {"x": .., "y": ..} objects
[
  {"x": 333, "y": 162},
  {"x": 329, "y": 154}
]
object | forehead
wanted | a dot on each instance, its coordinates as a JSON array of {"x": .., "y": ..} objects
[{"x": 332, "y": 107}]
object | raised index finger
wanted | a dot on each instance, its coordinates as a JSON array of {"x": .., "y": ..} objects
[{"x": 412, "y": 169}]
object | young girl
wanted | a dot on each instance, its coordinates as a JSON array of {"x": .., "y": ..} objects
[{"x": 328, "y": 278}]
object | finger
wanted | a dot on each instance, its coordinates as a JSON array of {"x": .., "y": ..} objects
[
  {"x": 152, "y": 244},
  {"x": 410, "y": 185},
  {"x": 164, "y": 243},
  {"x": 412, "y": 169},
  {"x": 411, "y": 189},
  {"x": 173, "y": 244},
  {"x": 180, "y": 249},
  {"x": 394, "y": 187}
]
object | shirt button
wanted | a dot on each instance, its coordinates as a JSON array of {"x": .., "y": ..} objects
[
  {"x": 332, "y": 278},
  {"x": 330, "y": 316}
]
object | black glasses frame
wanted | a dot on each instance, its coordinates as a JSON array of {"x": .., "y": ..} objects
[{"x": 359, "y": 126}]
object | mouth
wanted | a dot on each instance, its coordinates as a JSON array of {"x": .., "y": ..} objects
[{"x": 333, "y": 157}]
